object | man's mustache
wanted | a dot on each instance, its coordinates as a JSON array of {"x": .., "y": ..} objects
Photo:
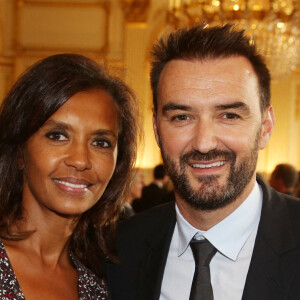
[{"x": 212, "y": 154}]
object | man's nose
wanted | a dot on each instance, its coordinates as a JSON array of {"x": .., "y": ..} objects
[{"x": 205, "y": 138}]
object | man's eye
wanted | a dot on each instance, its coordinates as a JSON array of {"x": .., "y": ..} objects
[
  {"x": 102, "y": 143},
  {"x": 231, "y": 116},
  {"x": 180, "y": 118},
  {"x": 57, "y": 136}
]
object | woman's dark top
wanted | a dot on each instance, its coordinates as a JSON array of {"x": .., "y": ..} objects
[{"x": 89, "y": 285}]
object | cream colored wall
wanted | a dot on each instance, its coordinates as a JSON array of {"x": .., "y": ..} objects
[
  {"x": 139, "y": 37},
  {"x": 284, "y": 146},
  {"x": 111, "y": 30}
]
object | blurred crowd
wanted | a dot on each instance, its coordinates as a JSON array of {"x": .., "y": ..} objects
[{"x": 286, "y": 179}]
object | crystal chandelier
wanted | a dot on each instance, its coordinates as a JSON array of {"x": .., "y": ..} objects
[{"x": 274, "y": 25}]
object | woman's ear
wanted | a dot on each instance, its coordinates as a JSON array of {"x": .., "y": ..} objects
[{"x": 268, "y": 121}]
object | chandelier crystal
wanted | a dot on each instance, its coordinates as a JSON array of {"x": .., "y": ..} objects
[{"x": 274, "y": 25}]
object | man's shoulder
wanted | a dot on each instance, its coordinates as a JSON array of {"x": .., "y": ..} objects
[
  {"x": 148, "y": 221},
  {"x": 293, "y": 205},
  {"x": 279, "y": 199},
  {"x": 280, "y": 211},
  {"x": 157, "y": 213}
]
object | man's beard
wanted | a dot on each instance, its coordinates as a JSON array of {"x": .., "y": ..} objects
[{"x": 211, "y": 195}]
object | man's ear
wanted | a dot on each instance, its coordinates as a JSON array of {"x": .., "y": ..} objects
[
  {"x": 268, "y": 121},
  {"x": 155, "y": 128}
]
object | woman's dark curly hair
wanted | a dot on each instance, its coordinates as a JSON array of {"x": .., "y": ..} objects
[{"x": 37, "y": 95}]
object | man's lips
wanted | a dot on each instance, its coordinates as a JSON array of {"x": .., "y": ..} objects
[{"x": 208, "y": 165}]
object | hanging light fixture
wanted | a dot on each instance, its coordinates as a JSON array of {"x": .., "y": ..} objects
[{"x": 274, "y": 25}]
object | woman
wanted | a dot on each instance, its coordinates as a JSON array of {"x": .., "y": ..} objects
[{"x": 67, "y": 139}]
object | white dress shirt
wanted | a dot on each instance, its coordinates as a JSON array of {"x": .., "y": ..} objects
[{"x": 234, "y": 239}]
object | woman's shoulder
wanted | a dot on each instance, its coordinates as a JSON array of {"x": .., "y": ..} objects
[
  {"x": 90, "y": 286},
  {"x": 10, "y": 288}
]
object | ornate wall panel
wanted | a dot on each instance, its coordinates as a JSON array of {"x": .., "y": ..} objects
[
  {"x": 62, "y": 26},
  {"x": 297, "y": 102},
  {"x": 135, "y": 11},
  {"x": 1, "y": 30},
  {"x": 6, "y": 76}
]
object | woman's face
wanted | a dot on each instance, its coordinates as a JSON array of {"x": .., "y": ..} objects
[{"x": 69, "y": 161}]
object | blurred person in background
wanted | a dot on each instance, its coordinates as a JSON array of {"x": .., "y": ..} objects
[
  {"x": 284, "y": 179},
  {"x": 155, "y": 193},
  {"x": 297, "y": 189},
  {"x": 135, "y": 193}
]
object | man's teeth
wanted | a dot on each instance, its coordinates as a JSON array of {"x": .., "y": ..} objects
[
  {"x": 72, "y": 185},
  {"x": 205, "y": 166}
]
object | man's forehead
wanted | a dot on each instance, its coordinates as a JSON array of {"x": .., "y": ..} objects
[
  {"x": 232, "y": 76},
  {"x": 239, "y": 64}
]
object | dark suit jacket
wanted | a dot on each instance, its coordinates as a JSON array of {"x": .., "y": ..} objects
[
  {"x": 274, "y": 272},
  {"x": 152, "y": 195}
]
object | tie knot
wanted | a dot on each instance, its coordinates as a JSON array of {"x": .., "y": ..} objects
[{"x": 203, "y": 251}]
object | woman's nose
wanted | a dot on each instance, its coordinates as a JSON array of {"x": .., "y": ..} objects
[{"x": 78, "y": 157}]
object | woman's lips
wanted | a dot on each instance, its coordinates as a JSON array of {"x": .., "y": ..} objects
[{"x": 73, "y": 185}]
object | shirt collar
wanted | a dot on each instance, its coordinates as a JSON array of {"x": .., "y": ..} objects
[
  {"x": 229, "y": 235},
  {"x": 159, "y": 184}
]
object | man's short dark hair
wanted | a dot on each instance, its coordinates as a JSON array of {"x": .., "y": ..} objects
[
  {"x": 159, "y": 172},
  {"x": 201, "y": 43}
]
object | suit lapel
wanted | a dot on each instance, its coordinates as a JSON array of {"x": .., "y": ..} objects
[
  {"x": 154, "y": 260},
  {"x": 274, "y": 239}
]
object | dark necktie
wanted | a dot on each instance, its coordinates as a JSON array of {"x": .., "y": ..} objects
[{"x": 203, "y": 252}]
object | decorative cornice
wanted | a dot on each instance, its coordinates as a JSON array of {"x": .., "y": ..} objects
[{"x": 135, "y": 11}]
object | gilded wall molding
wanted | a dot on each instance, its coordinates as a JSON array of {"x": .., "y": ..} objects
[
  {"x": 297, "y": 103},
  {"x": 135, "y": 11},
  {"x": 1, "y": 31},
  {"x": 55, "y": 33},
  {"x": 6, "y": 75}
]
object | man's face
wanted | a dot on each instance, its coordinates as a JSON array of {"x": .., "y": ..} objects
[{"x": 209, "y": 127}]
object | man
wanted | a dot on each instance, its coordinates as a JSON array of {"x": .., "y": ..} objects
[
  {"x": 284, "y": 179},
  {"x": 212, "y": 114},
  {"x": 153, "y": 194},
  {"x": 135, "y": 192}
]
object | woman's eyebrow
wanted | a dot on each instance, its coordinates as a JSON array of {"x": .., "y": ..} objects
[
  {"x": 65, "y": 126},
  {"x": 101, "y": 132},
  {"x": 58, "y": 124}
]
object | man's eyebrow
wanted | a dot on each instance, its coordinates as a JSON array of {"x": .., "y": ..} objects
[
  {"x": 175, "y": 106},
  {"x": 237, "y": 104}
]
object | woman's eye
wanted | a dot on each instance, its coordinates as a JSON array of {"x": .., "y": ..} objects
[
  {"x": 57, "y": 136},
  {"x": 101, "y": 143}
]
